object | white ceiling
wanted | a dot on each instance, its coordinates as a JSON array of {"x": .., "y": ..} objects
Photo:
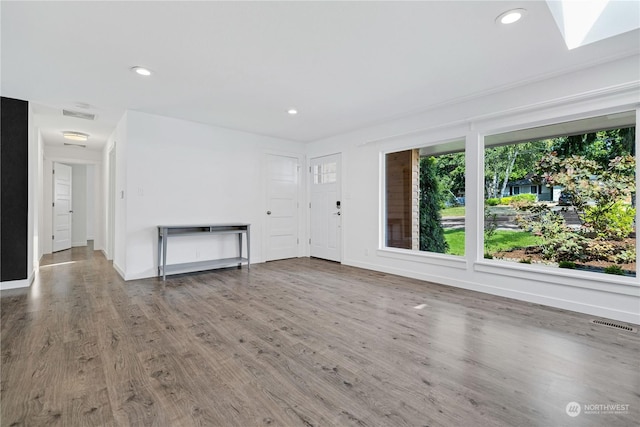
[{"x": 241, "y": 65}]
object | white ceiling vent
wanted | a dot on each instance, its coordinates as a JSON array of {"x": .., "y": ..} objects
[
  {"x": 75, "y": 145},
  {"x": 78, "y": 115}
]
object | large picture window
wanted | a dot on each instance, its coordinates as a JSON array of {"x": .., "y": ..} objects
[
  {"x": 425, "y": 198},
  {"x": 564, "y": 195}
]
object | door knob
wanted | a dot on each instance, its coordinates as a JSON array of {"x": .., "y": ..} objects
[
  {"x": 70, "y": 211},
  {"x": 268, "y": 212}
]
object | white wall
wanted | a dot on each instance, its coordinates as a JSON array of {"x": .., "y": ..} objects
[
  {"x": 606, "y": 88},
  {"x": 79, "y": 205},
  {"x": 180, "y": 172},
  {"x": 120, "y": 139},
  {"x": 107, "y": 227},
  {"x": 39, "y": 177},
  {"x": 92, "y": 188}
]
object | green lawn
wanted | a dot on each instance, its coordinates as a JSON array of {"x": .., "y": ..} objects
[
  {"x": 454, "y": 211},
  {"x": 502, "y": 240},
  {"x": 455, "y": 239}
]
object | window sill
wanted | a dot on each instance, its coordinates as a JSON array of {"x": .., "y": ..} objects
[
  {"x": 554, "y": 275},
  {"x": 441, "y": 260}
]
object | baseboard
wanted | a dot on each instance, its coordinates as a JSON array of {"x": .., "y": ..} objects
[
  {"x": 119, "y": 270},
  {"x": 594, "y": 310},
  {"x": 106, "y": 255},
  {"x": 17, "y": 284},
  {"x": 78, "y": 244}
]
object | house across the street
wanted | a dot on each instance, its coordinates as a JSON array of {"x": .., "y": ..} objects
[{"x": 527, "y": 186}]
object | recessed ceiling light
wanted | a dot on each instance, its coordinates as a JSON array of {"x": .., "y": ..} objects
[
  {"x": 292, "y": 111},
  {"x": 511, "y": 16},
  {"x": 141, "y": 71},
  {"x": 75, "y": 136}
]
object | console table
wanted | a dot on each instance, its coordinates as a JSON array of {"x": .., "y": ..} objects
[{"x": 167, "y": 231}]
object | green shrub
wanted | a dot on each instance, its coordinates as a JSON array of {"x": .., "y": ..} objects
[
  {"x": 520, "y": 198},
  {"x": 492, "y": 202},
  {"x": 613, "y": 221},
  {"x": 504, "y": 200},
  {"x": 431, "y": 231},
  {"x": 488, "y": 255},
  {"x": 568, "y": 246},
  {"x": 614, "y": 269},
  {"x": 567, "y": 264},
  {"x": 559, "y": 242},
  {"x": 626, "y": 256}
]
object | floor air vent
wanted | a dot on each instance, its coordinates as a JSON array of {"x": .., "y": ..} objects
[{"x": 614, "y": 325}]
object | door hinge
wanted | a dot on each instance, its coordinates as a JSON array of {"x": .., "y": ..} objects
[
  {"x": 53, "y": 237},
  {"x": 309, "y": 169},
  {"x": 53, "y": 204},
  {"x": 309, "y": 205},
  {"x": 298, "y": 241},
  {"x": 309, "y": 240},
  {"x": 54, "y": 171}
]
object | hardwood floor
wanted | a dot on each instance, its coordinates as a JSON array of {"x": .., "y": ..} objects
[{"x": 299, "y": 342}]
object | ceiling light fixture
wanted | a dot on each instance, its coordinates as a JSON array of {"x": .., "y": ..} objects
[
  {"x": 141, "y": 71},
  {"x": 75, "y": 136},
  {"x": 511, "y": 16},
  {"x": 292, "y": 111}
]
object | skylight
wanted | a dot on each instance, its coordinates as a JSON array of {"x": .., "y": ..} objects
[{"x": 584, "y": 22}]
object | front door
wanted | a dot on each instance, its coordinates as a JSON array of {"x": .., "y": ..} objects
[
  {"x": 62, "y": 212},
  {"x": 282, "y": 207},
  {"x": 326, "y": 208}
]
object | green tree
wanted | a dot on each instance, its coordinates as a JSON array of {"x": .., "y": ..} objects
[
  {"x": 450, "y": 170},
  {"x": 510, "y": 162},
  {"x": 601, "y": 146},
  {"x": 431, "y": 231},
  {"x": 596, "y": 192}
]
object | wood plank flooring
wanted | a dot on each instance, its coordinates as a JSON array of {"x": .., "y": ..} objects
[{"x": 299, "y": 342}]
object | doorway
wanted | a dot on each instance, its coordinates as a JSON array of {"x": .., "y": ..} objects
[
  {"x": 326, "y": 208},
  {"x": 75, "y": 205}
]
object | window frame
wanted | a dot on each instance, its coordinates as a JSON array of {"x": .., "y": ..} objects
[
  {"x": 456, "y": 261},
  {"x": 564, "y": 276}
]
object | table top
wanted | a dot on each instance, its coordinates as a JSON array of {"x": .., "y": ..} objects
[{"x": 230, "y": 224}]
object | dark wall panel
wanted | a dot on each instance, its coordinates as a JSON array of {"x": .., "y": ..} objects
[{"x": 14, "y": 202}]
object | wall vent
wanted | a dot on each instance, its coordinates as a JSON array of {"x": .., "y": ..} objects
[
  {"x": 614, "y": 325},
  {"x": 78, "y": 115}
]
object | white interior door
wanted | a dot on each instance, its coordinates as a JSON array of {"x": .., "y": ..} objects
[
  {"x": 62, "y": 212},
  {"x": 282, "y": 207},
  {"x": 326, "y": 209}
]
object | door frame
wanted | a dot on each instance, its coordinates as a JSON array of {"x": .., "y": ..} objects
[
  {"x": 302, "y": 197},
  {"x": 46, "y": 213},
  {"x": 344, "y": 197}
]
